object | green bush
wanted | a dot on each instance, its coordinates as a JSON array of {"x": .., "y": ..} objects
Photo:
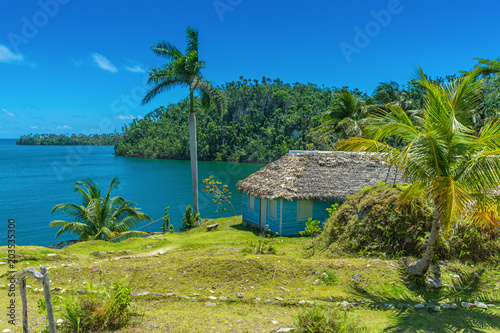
[
  {"x": 327, "y": 320},
  {"x": 189, "y": 221},
  {"x": 96, "y": 310},
  {"x": 370, "y": 223}
]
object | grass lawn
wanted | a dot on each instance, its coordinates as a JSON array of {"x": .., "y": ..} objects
[{"x": 187, "y": 270}]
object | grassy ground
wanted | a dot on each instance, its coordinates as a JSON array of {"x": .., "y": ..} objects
[{"x": 204, "y": 264}]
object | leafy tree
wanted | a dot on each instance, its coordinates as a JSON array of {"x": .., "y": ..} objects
[
  {"x": 221, "y": 193},
  {"x": 444, "y": 159},
  {"x": 107, "y": 218},
  {"x": 185, "y": 70},
  {"x": 345, "y": 115},
  {"x": 189, "y": 221}
]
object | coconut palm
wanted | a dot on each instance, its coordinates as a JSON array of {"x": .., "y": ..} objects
[
  {"x": 107, "y": 218},
  {"x": 185, "y": 70},
  {"x": 345, "y": 115},
  {"x": 444, "y": 159}
]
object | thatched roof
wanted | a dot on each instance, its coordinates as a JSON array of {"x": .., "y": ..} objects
[{"x": 315, "y": 176}]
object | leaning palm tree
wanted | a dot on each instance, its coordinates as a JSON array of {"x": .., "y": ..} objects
[
  {"x": 98, "y": 218},
  {"x": 444, "y": 159},
  {"x": 185, "y": 70},
  {"x": 345, "y": 115}
]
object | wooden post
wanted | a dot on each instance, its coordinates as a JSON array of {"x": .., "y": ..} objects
[
  {"x": 48, "y": 299},
  {"x": 22, "y": 291},
  {"x": 44, "y": 279}
]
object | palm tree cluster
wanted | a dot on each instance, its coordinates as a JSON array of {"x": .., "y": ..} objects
[{"x": 438, "y": 151}]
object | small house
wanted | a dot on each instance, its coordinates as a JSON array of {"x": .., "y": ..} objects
[{"x": 302, "y": 185}]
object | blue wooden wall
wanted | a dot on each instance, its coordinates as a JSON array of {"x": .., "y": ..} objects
[
  {"x": 249, "y": 215},
  {"x": 290, "y": 225}
]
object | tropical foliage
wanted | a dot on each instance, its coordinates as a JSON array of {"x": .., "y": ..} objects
[
  {"x": 74, "y": 139},
  {"x": 456, "y": 167},
  {"x": 99, "y": 218},
  {"x": 185, "y": 70}
]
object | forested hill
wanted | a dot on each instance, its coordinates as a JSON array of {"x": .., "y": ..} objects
[
  {"x": 74, "y": 139},
  {"x": 265, "y": 119}
]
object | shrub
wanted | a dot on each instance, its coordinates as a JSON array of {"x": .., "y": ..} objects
[
  {"x": 369, "y": 223},
  {"x": 190, "y": 220},
  {"x": 327, "y": 320}
]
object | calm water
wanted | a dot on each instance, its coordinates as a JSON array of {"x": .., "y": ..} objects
[{"x": 35, "y": 178}]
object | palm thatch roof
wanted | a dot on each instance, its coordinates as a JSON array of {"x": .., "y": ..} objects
[{"x": 316, "y": 176}]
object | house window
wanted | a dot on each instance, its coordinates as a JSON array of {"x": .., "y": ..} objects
[
  {"x": 251, "y": 202},
  {"x": 273, "y": 209},
  {"x": 304, "y": 209}
]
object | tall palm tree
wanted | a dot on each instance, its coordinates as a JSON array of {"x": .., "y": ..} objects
[
  {"x": 107, "y": 218},
  {"x": 444, "y": 159},
  {"x": 345, "y": 115},
  {"x": 185, "y": 70}
]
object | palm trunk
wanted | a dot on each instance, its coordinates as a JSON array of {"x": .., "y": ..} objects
[
  {"x": 193, "y": 152},
  {"x": 421, "y": 267}
]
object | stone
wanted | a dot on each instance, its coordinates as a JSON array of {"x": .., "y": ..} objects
[
  {"x": 419, "y": 306},
  {"x": 281, "y": 287},
  {"x": 6, "y": 330},
  {"x": 212, "y": 226},
  {"x": 389, "y": 305},
  {"x": 453, "y": 305},
  {"x": 302, "y": 302},
  {"x": 436, "y": 308},
  {"x": 59, "y": 321},
  {"x": 345, "y": 304},
  {"x": 210, "y": 304},
  {"x": 223, "y": 298},
  {"x": 111, "y": 252},
  {"x": 257, "y": 300},
  {"x": 285, "y": 329},
  {"x": 315, "y": 281},
  {"x": 81, "y": 292},
  {"x": 279, "y": 299},
  {"x": 98, "y": 253},
  {"x": 148, "y": 246},
  {"x": 144, "y": 293},
  {"x": 51, "y": 255},
  {"x": 55, "y": 289},
  {"x": 481, "y": 305},
  {"x": 274, "y": 322},
  {"x": 445, "y": 306},
  {"x": 240, "y": 294},
  {"x": 356, "y": 276},
  {"x": 157, "y": 294},
  {"x": 212, "y": 297},
  {"x": 466, "y": 304},
  {"x": 267, "y": 301},
  {"x": 195, "y": 294},
  {"x": 2, "y": 262}
]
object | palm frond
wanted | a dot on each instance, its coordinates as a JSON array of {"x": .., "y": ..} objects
[
  {"x": 191, "y": 39},
  {"x": 166, "y": 50}
]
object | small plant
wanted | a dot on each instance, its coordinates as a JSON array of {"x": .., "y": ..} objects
[
  {"x": 264, "y": 245},
  {"x": 97, "y": 310},
  {"x": 320, "y": 319},
  {"x": 189, "y": 221},
  {"x": 166, "y": 226},
  {"x": 312, "y": 228},
  {"x": 221, "y": 194},
  {"x": 329, "y": 277}
]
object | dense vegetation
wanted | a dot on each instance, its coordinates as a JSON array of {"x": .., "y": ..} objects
[
  {"x": 74, "y": 139},
  {"x": 369, "y": 223},
  {"x": 265, "y": 119}
]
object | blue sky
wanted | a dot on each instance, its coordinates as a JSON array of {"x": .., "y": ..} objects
[{"x": 79, "y": 66}]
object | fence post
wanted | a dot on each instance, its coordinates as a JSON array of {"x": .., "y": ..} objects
[{"x": 48, "y": 299}]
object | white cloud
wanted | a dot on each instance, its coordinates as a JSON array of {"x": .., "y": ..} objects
[
  {"x": 6, "y": 55},
  {"x": 34, "y": 127},
  {"x": 10, "y": 114},
  {"x": 64, "y": 127},
  {"x": 135, "y": 69},
  {"x": 103, "y": 63}
]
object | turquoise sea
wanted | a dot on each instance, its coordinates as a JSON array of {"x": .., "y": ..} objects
[{"x": 35, "y": 178}]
